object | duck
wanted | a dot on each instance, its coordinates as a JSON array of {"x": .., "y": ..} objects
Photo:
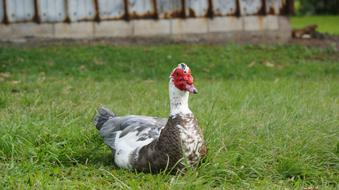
[{"x": 155, "y": 144}]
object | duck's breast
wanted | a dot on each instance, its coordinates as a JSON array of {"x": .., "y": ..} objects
[{"x": 191, "y": 139}]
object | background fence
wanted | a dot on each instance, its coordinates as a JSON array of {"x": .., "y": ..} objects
[{"x": 42, "y": 12}]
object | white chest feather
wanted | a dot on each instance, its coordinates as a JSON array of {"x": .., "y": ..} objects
[{"x": 178, "y": 100}]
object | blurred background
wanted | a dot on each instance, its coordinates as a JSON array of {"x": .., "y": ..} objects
[
  {"x": 316, "y": 7},
  {"x": 177, "y": 20}
]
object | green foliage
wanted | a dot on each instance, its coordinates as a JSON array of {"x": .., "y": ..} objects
[
  {"x": 269, "y": 114},
  {"x": 313, "y": 7}
]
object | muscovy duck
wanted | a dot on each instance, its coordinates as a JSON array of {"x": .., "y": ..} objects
[{"x": 152, "y": 144}]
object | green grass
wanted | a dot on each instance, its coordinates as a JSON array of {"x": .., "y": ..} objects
[
  {"x": 326, "y": 24},
  {"x": 269, "y": 114}
]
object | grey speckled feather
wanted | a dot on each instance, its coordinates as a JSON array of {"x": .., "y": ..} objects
[
  {"x": 171, "y": 150},
  {"x": 145, "y": 126}
]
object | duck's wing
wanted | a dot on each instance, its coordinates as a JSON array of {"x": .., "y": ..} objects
[{"x": 131, "y": 129}]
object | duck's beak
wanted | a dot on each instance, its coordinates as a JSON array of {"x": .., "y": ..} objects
[{"x": 191, "y": 89}]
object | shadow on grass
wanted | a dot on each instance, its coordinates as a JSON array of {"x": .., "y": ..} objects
[
  {"x": 89, "y": 157},
  {"x": 94, "y": 153}
]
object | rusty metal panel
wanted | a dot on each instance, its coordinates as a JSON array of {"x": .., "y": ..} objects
[
  {"x": 141, "y": 8},
  {"x": 111, "y": 9},
  {"x": 81, "y": 10},
  {"x": 19, "y": 10},
  {"x": 2, "y": 12},
  {"x": 224, "y": 7},
  {"x": 196, "y": 8},
  {"x": 51, "y": 10},
  {"x": 250, "y": 7},
  {"x": 169, "y": 9},
  {"x": 275, "y": 6}
]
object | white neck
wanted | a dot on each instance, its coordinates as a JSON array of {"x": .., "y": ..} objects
[{"x": 178, "y": 100}]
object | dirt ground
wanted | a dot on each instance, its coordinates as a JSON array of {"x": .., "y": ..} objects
[{"x": 320, "y": 40}]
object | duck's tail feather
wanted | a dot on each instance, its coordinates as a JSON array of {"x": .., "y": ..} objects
[{"x": 103, "y": 114}]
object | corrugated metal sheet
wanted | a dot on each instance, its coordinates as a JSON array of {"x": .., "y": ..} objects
[
  {"x": 224, "y": 7},
  {"x": 169, "y": 9},
  {"x": 141, "y": 9},
  {"x": 111, "y": 9},
  {"x": 79, "y": 10},
  {"x": 250, "y": 7},
  {"x": 2, "y": 12},
  {"x": 20, "y": 10},
  {"x": 196, "y": 8},
  {"x": 274, "y": 6},
  {"x": 51, "y": 10}
]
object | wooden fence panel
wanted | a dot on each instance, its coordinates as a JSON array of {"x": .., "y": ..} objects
[
  {"x": 224, "y": 7},
  {"x": 196, "y": 8},
  {"x": 19, "y": 10},
  {"x": 2, "y": 12},
  {"x": 274, "y": 6},
  {"x": 250, "y": 7},
  {"x": 141, "y": 9},
  {"x": 79, "y": 10},
  {"x": 111, "y": 9},
  {"x": 169, "y": 9},
  {"x": 51, "y": 10}
]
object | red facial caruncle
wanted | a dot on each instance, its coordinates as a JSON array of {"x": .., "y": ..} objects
[{"x": 183, "y": 79}]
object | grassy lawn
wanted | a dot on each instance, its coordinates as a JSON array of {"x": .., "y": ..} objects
[
  {"x": 328, "y": 24},
  {"x": 269, "y": 114}
]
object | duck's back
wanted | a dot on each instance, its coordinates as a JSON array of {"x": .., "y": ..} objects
[{"x": 126, "y": 134}]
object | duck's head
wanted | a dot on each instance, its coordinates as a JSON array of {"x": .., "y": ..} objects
[{"x": 182, "y": 78}]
